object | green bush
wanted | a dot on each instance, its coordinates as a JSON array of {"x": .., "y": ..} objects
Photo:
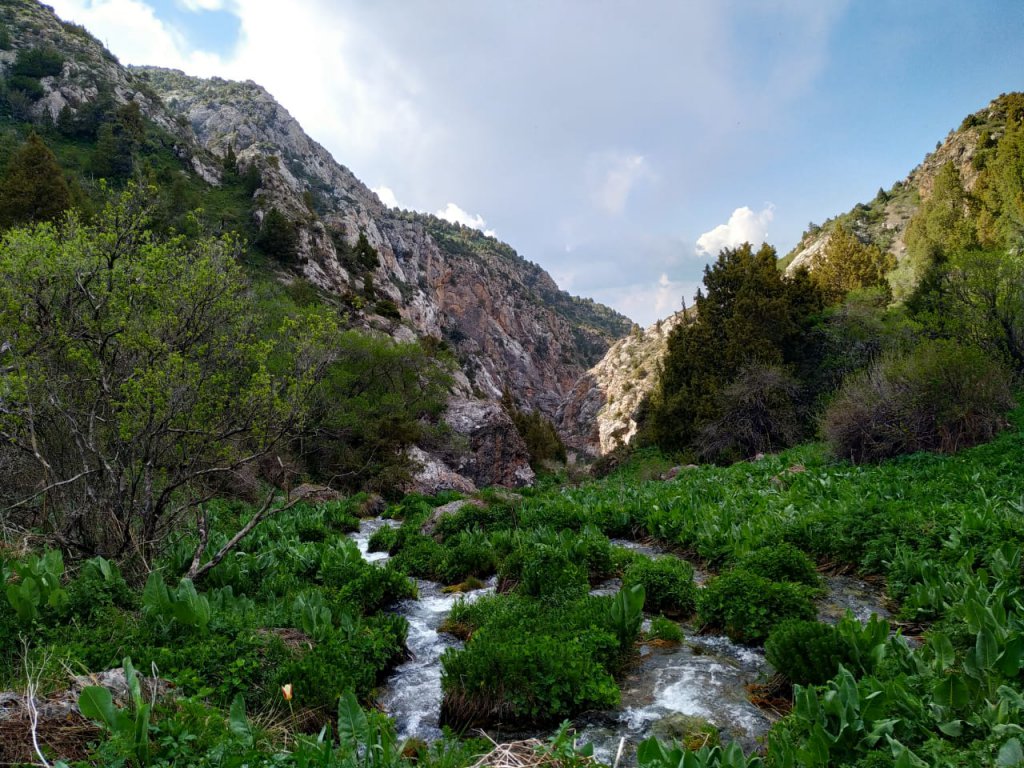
[
  {"x": 549, "y": 573},
  {"x": 383, "y": 539},
  {"x": 355, "y": 661},
  {"x": 38, "y": 62},
  {"x": 665, "y": 630},
  {"x": 529, "y": 661},
  {"x": 940, "y": 397},
  {"x": 805, "y": 652},
  {"x": 747, "y": 606},
  {"x": 782, "y": 562},
  {"x": 419, "y": 556},
  {"x": 469, "y": 554},
  {"x": 667, "y": 582}
]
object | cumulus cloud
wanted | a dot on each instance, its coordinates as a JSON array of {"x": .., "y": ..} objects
[
  {"x": 457, "y": 215},
  {"x": 744, "y": 226},
  {"x": 646, "y": 302},
  {"x": 386, "y": 195},
  {"x": 614, "y": 176}
]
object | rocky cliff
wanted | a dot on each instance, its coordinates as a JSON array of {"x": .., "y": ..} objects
[
  {"x": 504, "y": 318},
  {"x": 600, "y": 414}
]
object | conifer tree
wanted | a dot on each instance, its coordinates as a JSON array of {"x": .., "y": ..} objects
[{"x": 33, "y": 186}]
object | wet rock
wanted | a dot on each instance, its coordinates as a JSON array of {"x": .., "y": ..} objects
[
  {"x": 435, "y": 475},
  {"x": 689, "y": 730},
  {"x": 315, "y": 494},
  {"x": 444, "y": 510},
  {"x": 373, "y": 506}
]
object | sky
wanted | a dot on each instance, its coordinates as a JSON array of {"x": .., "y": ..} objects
[{"x": 620, "y": 145}]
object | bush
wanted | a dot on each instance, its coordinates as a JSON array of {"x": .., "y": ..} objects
[
  {"x": 529, "y": 662},
  {"x": 782, "y": 562},
  {"x": 550, "y": 574},
  {"x": 805, "y": 652},
  {"x": 940, "y": 397},
  {"x": 419, "y": 556},
  {"x": 665, "y": 630},
  {"x": 346, "y": 662},
  {"x": 747, "y": 606},
  {"x": 758, "y": 413},
  {"x": 667, "y": 582},
  {"x": 38, "y": 62},
  {"x": 470, "y": 554}
]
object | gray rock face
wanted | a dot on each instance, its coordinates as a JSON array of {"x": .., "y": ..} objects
[
  {"x": 508, "y": 324},
  {"x": 600, "y": 412},
  {"x": 447, "y": 281},
  {"x": 497, "y": 454}
]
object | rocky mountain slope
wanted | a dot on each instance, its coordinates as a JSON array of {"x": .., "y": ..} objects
[
  {"x": 504, "y": 318},
  {"x": 884, "y": 220},
  {"x": 507, "y": 321},
  {"x": 600, "y": 413}
]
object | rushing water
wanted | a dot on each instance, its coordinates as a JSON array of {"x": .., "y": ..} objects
[{"x": 705, "y": 677}]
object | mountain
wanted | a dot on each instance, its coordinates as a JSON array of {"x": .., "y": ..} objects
[
  {"x": 601, "y": 412},
  {"x": 883, "y": 221},
  {"x": 606, "y": 402},
  {"x": 402, "y": 273}
]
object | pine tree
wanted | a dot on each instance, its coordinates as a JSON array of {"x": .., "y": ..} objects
[{"x": 33, "y": 186}]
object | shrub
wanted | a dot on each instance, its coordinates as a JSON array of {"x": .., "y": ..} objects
[
  {"x": 38, "y": 62},
  {"x": 782, "y": 562},
  {"x": 353, "y": 661},
  {"x": 383, "y": 539},
  {"x": 758, "y": 413},
  {"x": 665, "y": 630},
  {"x": 805, "y": 652},
  {"x": 747, "y": 606},
  {"x": 550, "y": 574},
  {"x": 667, "y": 582},
  {"x": 470, "y": 554},
  {"x": 419, "y": 556},
  {"x": 940, "y": 397}
]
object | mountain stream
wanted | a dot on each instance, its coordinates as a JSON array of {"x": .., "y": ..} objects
[{"x": 669, "y": 688}]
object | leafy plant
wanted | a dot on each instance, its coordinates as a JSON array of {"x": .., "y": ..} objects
[
  {"x": 627, "y": 613},
  {"x": 747, "y": 606},
  {"x": 129, "y": 726},
  {"x": 667, "y": 583},
  {"x": 37, "y": 585}
]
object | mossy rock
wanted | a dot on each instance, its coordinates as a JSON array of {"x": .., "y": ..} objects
[{"x": 689, "y": 731}]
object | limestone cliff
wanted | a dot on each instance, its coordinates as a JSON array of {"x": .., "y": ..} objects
[
  {"x": 504, "y": 318},
  {"x": 600, "y": 414}
]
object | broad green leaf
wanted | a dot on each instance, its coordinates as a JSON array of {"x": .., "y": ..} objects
[
  {"x": 940, "y": 645},
  {"x": 951, "y": 691},
  {"x": 238, "y": 722},
  {"x": 95, "y": 703},
  {"x": 986, "y": 648},
  {"x": 1010, "y": 754},
  {"x": 353, "y": 728}
]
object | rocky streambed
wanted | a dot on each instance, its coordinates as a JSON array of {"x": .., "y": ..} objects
[{"x": 669, "y": 691}]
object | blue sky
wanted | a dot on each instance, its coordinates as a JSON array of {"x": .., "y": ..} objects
[{"x": 617, "y": 144}]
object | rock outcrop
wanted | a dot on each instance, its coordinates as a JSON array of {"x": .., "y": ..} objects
[
  {"x": 504, "y": 318},
  {"x": 600, "y": 413}
]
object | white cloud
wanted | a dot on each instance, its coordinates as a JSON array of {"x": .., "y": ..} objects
[
  {"x": 647, "y": 302},
  {"x": 386, "y": 195},
  {"x": 744, "y": 226},
  {"x": 614, "y": 175},
  {"x": 202, "y": 5},
  {"x": 457, "y": 215}
]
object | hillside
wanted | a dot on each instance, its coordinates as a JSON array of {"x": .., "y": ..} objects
[
  {"x": 314, "y": 228},
  {"x": 883, "y": 221},
  {"x": 505, "y": 318}
]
